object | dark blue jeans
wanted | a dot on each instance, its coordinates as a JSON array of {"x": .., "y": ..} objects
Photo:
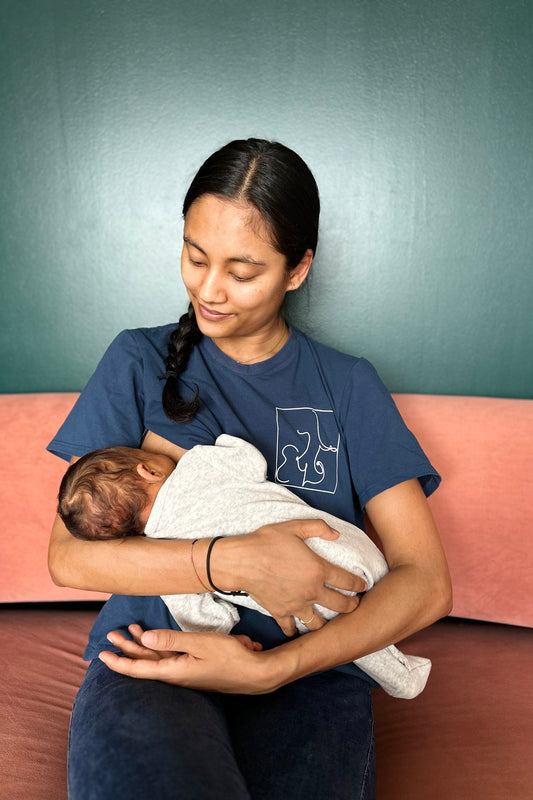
[{"x": 138, "y": 740}]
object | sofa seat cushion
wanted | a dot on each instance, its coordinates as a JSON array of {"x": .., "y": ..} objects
[
  {"x": 41, "y": 669},
  {"x": 467, "y": 735}
]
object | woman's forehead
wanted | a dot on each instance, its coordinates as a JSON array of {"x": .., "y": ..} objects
[{"x": 214, "y": 221}]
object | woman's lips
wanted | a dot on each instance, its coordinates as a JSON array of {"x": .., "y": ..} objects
[{"x": 208, "y": 313}]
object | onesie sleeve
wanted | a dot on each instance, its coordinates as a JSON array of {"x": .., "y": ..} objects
[
  {"x": 110, "y": 410},
  {"x": 382, "y": 451}
]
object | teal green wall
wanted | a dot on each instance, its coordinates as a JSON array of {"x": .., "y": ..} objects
[{"x": 416, "y": 117}]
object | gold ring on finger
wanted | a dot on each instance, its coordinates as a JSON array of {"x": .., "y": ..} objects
[{"x": 308, "y": 622}]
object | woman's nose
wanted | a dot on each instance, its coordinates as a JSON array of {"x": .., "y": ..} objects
[{"x": 212, "y": 288}]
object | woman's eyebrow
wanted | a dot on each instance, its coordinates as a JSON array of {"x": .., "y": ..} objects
[
  {"x": 234, "y": 259},
  {"x": 188, "y": 240},
  {"x": 247, "y": 260}
]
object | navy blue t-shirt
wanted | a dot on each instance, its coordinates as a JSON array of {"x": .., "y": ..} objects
[{"x": 325, "y": 423}]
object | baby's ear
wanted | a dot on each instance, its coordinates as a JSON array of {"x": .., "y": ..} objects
[{"x": 148, "y": 474}]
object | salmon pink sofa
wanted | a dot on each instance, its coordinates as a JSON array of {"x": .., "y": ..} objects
[{"x": 467, "y": 736}]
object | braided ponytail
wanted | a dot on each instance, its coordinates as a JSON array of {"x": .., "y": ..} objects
[{"x": 180, "y": 345}]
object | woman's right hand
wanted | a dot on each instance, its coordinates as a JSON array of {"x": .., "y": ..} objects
[{"x": 281, "y": 573}]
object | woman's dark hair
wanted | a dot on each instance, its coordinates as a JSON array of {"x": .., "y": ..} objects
[{"x": 280, "y": 185}]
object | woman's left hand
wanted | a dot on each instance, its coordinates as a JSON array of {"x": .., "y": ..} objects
[{"x": 207, "y": 661}]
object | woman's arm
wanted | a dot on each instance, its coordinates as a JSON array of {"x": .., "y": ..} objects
[
  {"x": 415, "y": 593},
  {"x": 136, "y": 565},
  {"x": 292, "y": 576}
]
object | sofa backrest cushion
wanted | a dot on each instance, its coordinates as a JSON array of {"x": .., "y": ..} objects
[
  {"x": 483, "y": 448},
  {"x": 30, "y": 478}
]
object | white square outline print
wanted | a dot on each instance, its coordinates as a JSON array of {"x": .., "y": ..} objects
[{"x": 304, "y": 457}]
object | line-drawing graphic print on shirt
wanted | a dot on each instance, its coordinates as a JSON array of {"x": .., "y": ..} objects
[{"x": 307, "y": 449}]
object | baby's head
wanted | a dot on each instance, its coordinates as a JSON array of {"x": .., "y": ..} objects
[{"x": 109, "y": 493}]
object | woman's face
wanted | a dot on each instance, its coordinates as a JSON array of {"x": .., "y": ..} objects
[{"x": 235, "y": 278}]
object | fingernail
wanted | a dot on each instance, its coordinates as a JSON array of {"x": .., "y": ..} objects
[{"x": 149, "y": 638}]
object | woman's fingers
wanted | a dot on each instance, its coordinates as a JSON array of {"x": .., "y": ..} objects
[
  {"x": 130, "y": 648},
  {"x": 249, "y": 643},
  {"x": 336, "y": 601},
  {"x": 287, "y": 624},
  {"x": 211, "y": 661},
  {"x": 339, "y": 578},
  {"x": 309, "y": 528},
  {"x": 312, "y": 620},
  {"x": 164, "y": 669},
  {"x": 156, "y": 654},
  {"x": 136, "y": 631},
  {"x": 136, "y": 648},
  {"x": 165, "y": 640},
  {"x": 334, "y": 576}
]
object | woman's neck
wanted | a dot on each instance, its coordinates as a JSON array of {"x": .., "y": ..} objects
[{"x": 252, "y": 350}]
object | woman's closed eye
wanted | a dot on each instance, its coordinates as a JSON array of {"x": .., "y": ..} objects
[{"x": 234, "y": 275}]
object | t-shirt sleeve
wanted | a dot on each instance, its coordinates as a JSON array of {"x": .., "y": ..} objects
[
  {"x": 382, "y": 451},
  {"x": 123, "y": 400},
  {"x": 110, "y": 410}
]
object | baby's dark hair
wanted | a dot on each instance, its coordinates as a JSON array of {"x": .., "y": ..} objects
[
  {"x": 275, "y": 181},
  {"x": 102, "y": 496}
]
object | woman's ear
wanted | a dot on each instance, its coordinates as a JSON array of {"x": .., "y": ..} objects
[
  {"x": 149, "y": 474},
  {"x": 299, "y": 273}
]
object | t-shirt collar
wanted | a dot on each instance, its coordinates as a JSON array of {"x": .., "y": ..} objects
[{"x": 211, "y": 351}]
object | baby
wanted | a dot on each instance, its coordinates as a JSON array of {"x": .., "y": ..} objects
[{"x": 121, "y": 491}]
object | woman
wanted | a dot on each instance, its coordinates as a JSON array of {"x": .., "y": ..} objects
[{"x": 263, "y": 713}]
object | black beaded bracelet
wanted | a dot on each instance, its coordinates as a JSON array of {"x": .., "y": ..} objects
[{"x": 208, "y": 570}]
